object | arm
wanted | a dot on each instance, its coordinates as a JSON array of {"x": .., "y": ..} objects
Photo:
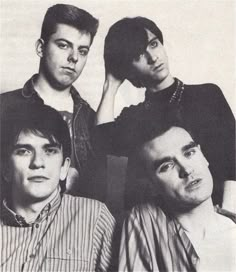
[
  {"x": 103, "y": 240},
  {"x": 227, "y": 122},
  {"x": 105, "y": 112},
  {"x": 216, "y": 132},
  {"x": 108, "y": 130},
  {"x": 135, "y": 250}
]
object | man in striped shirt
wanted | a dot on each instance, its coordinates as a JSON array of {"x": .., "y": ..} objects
[
  {"x": 181, "y": 231},
  {"x": 43, "y": 229}
]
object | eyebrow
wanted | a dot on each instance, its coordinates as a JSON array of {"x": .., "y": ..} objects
[
  {"x": 189, "y": 146},
  {"x": 18, "y": 146},
  {"x": 153, "y": 39},
  {"x": 158, "y": 163},
  {"x": 28, "y": 146},
  {"x": 71, "y": 44}
]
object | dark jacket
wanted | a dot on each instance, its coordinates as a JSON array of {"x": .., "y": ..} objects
[{"x": 90, "y": 162}]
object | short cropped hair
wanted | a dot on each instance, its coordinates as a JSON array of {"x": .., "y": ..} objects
[
  {"x": 38, "y": 119},
  {"x": 125, "y": 41},
  {"x": 69, "y": 15}
]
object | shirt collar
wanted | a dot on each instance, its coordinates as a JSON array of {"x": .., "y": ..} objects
[
  {"x": 163, "y": 94},
  {"x": 10, "y": 218}
]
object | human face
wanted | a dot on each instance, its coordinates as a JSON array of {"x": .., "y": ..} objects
[
  {"x": 178, "y": 168},
  {"x": 64, "y": 55},
  {"x": 35, "y": 168},
  {"x": 152, "y": 66}
]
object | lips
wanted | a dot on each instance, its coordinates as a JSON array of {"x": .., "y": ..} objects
[
  {"x": 193, "y": 184},
  {"x": 38, "y": 178},
  {"x": 69, "y": 69},
  {"x": 158, "y": 67}
]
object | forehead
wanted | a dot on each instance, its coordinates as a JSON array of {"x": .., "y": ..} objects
[
  {"x": 33, "y": 139},
  {"x": 71, "y": 34},
  {"x": 168, "y": 144}
]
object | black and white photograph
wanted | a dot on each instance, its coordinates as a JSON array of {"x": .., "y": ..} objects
[{"x": 118, "y": 135}]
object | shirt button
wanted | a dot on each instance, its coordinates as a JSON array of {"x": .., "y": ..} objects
[
  {"x": 69, "y": 251},
  {"x": 32, "y": 255},
  {"x": 37, "y": 226}
]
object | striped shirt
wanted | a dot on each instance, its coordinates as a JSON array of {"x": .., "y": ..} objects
[
  {"x": 152, "y": 241},
  {"x": 70, "y": 234}
]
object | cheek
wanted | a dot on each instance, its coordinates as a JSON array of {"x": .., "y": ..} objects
[
  {"x": 81, "y": 63},
  {"x": 18, "y": 167},
  {"x": 166, "y": 181},
  {"x": 54, "y": 166},
  {"x": 53, "y": 57}
]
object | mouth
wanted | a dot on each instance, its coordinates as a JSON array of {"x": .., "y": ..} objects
[
  {"x": 158, "y": 67},
  {"x": 69, "y": 69},
  {"x": 193, "y": 184},
  {"x": 38, "y": 178}
]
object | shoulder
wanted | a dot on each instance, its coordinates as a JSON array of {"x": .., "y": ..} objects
[
  {"x": 91, "y": 209},
  {"x": 131, "y": 112},
  {"x": 206, "y": 89},
  {"x": 81, "y": 203},
  {"x": 11, "y": 94},
  {"x": 11, "y": 98},
  {"x": 148, "y": 211}
]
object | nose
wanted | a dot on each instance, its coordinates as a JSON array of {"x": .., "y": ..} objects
[
  {"x": 37, "y": 161},
  {"x": 73, "y": 56},
  {"x": 152, "y": 56},
  {"x": 185, "y": 170}
]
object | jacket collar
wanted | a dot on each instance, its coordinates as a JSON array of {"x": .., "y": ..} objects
[{"x": 29, "y": 91}]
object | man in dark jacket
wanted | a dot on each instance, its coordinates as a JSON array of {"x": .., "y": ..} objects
[
  {"x": 134, "y": 51},
  {"x": 66, "y": 36}
]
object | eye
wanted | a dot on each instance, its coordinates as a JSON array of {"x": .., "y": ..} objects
[
  {"x": 22, "y": 152},
  {"x": 165, "y": 167},
  {"x": 189, "y": 153},
  {"x": 62, "y": 45},
  {"x": 154, "y": 44},
  {"x": 83, "y": 52},
  {"x": 52, "y": 150}
]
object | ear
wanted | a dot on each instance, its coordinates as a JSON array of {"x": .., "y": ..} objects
[
  {"x": 64, "y": 169},
  {"x": 39, "y": 46}
]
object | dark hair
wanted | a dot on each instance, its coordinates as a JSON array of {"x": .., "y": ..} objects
[
  {"x": 151, "y": 123},
  {"x": 39, "y": 119},
  {"x": 69, "y": 15},
  {"x": 125, "y": 41}
]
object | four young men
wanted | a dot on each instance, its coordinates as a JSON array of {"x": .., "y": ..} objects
[{"x": 42, "y": 156}]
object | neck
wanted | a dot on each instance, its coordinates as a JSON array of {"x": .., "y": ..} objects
[
  {"x": 200, "y": 220},
  {"x": 28, "y": 210},
  {"x": 45, "y": 89},
  {"x": 161, "y": 85},
  {"x": 60, "y": 100}
]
